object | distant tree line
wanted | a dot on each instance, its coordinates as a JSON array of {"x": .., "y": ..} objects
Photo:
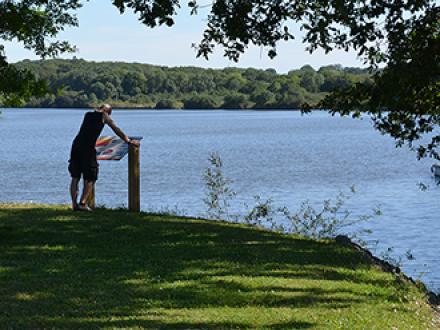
[{"x": 80, "y": 84}]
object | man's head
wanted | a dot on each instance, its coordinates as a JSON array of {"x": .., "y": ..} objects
[{"x": 107, "y": 108}]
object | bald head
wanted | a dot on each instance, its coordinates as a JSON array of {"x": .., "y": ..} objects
[{"x": 107, "y": 108}]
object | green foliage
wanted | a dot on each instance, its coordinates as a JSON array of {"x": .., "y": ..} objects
[
  {"x": 359, "y": 25},
  {"x": 263, "y": 99},
  {"x": 78, "y": 83},
  {"x": 236, "y": 101},
  {"x": 34, "y": 23},
  {"x": 200, "y": 102},
  {"x": 218, "y": 191},
  {"x": 168, "y": 104},
  {"x": 326, "y": 222},
  {"x": 118, "y": 270},
  {"x": 404, "y": 98}
]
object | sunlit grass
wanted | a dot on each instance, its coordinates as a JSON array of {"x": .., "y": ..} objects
[{"x": 113, "y": 269}]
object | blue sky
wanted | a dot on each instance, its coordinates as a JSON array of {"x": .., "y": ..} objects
[{"x": 105, "y": 35}]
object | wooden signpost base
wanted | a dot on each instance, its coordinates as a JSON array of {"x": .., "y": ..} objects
[
  {"x": 134, "y": 186},
  {"x": 134, "y": 194}
]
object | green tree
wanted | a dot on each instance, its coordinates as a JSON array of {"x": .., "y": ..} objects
[
  {"x": 310, "y": 80},
  {"x": 65, "y": 101},
  {"x": 235, "y": 81},
  {"x": 34, "y": 23},
  {"x": 109, "y": 82},
  {"x": 133, "y": 83},
  {"x": 291, "y": 100},
  {"x": 168, "y": 104},
  {"x": 263, "y": 99},
  {"x": 200, "y": 102},
  {"x": 235, "y": 101},
  {"x": 100, "y": 90}
]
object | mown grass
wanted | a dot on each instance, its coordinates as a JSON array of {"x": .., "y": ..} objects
[{"x": 112, "y": 269}]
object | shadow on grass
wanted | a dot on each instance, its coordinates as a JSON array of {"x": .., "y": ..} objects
[{"x": 111, "y": 269}]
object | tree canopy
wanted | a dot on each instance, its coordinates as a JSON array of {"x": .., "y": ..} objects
[
  {"x": 80, "y": 83},
  {"x": 400, "y": 40}
]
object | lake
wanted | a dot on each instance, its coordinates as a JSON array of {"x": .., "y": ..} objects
[{"x": 280, "y": 155}]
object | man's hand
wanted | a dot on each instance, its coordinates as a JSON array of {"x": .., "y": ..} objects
[{"x": 134, "y": 142}]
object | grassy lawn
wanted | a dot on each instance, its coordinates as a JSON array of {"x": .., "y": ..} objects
[{"x": 112, "y": 269}]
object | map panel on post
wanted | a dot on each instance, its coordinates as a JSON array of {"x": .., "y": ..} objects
[{"x": 112, "y": 147}]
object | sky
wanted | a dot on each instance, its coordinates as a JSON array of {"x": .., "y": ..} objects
[{"x": 106, "y": 35}]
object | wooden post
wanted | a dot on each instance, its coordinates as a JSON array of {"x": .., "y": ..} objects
[
  {"x": 134, "y": 193},
  {"x": 91, "y": 199}
]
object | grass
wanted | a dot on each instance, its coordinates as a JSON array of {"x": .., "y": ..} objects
[{"x": 112, "y": 269}]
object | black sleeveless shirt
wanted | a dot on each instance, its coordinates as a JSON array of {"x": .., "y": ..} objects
[{"x": 91, "y": 127}]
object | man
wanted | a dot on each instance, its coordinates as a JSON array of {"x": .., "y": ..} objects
[{"x": 83, "y": 154}]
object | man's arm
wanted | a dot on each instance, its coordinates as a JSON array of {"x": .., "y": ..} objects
[{"x": 117, "y": 130}]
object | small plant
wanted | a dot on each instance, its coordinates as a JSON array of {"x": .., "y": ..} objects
[
  {"x": 325, "y": 222},
  {"x": 218, "y": 193},
  {"x": 389, "y": 256},
  {"x": 328, "y": 221},
  {"x": 263, "y": 212}
]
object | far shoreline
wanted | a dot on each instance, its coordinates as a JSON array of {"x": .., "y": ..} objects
[{"x": 158, "y": 110}]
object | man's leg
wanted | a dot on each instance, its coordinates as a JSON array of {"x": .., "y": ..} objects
[
  {"x": 90, "y": 171},
  {"x": 74, "y": 192},
  {"x": 88, "y": 186}
]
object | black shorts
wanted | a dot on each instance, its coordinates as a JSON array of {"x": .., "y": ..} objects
[{"x": 83, "y": 162}]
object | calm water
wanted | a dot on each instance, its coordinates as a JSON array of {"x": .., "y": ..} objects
[{"x": 282, "y": 155}]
